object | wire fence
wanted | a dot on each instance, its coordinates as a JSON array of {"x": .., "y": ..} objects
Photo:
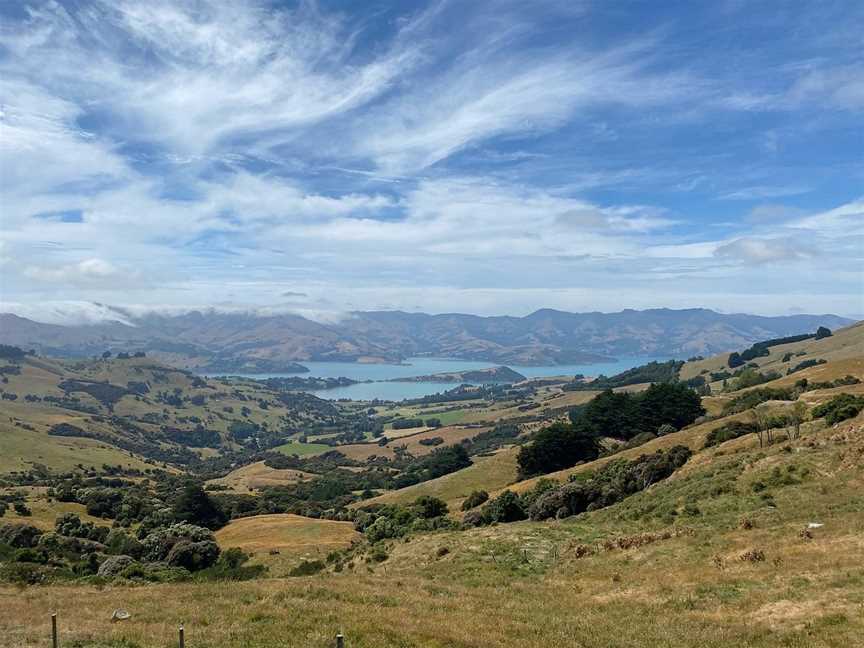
[{"x": 339, "y": 639}]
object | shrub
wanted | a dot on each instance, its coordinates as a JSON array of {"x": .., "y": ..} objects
[
  {"x": 19, "y": 536},
  {"x": 507, "y": 507},
  {"x": 158, "y": 543},
  {"x": 22, "y": 509},
  {"x": 114, "y": 565},
  {"x": 119, "y": 542},
  {"x": 476, "y": 498},
  {"x": 665, "y": 429},
  {"x": 611, "y": 484},
  {"x": 756, "y": 397},
  {"x": 307, "y": 568},
  {"x": 193, "y": 556},
  {"x": 232, "y": 566},
  {"x": 70, "y": 525},
  {"x": 428, "y": 507},
  {"x": 823, "y": 332},
  {"x": 839, "y": 408},
  {"x": 727, "y": 432}
]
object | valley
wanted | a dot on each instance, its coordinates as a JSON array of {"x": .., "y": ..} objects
[{"x": 432, "y": 496}]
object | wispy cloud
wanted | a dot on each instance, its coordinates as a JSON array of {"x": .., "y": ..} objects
[{"x": 222, "y": 150}]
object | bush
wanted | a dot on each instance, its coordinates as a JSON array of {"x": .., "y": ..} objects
[
  {"x": 307, "y": 568},
  {"x": 19, "y": 536},
  {"x": 727, "y": 432},
  {"x": 119, "y": 542},
  {"x": 193, "y": 556},
  {"x": 158, "y": 543},
  {"x": 232, "y": 566},
  {"x": 476, "y": 498},
  {"x": 114, "y": 565},
  {"x": 611, "y": 484},
  {"x": 70, "y": 525},
  {"x": 839, "y": 408},
  {"x": 756, "y": 397},
  {"x": 428, "y": 507},
  {"x": 22, "y": 509},
  {"x": 507, "y": 507},
  {"x": 823, "y": 332},
  {"x": 665, "y": 429}
]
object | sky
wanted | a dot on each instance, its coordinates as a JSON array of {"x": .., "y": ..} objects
[{"x": 483, "y": 157}]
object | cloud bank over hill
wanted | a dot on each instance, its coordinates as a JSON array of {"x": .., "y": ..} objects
[{"x": 491, "y": 157}]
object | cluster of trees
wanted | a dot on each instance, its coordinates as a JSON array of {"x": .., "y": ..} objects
[
  {"x": 653, "y": 372},
  {"x": 618, "y": 415},
  {"x": 440, "y": 461},
  {"x": 386, "y": 521},
  {"x": 761, "y": 349},
  {"x": 611, "y": 484},
  {"x": 806, "y": 364},
  {"x": 81, "y": 550},
  {"x": 404, "y": 424}
]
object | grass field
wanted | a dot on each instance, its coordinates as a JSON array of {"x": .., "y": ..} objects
[
  {"x": 20, "y": 449},
  {"x": 621, "y": 577},
  {"x": 490, "y": 473},
  {"x": 303, "y": 449},
  {"x": 44, "y": 511},
  {"x": 294, "y": 537},
  {"x": 258, "y": 475}
]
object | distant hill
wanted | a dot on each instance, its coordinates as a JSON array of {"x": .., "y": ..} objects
[
  {"x": 221, "y": 342},
  {"x": 491, "y": 375}
]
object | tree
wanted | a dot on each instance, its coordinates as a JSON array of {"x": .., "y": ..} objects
[
  {"x": 762, "y": 420},
  {"x": 734, "y": 360},
  {"x": 194, "y": 506},
  {"x": 556, "y": 447},
  {"x": 823, "y": 332},
  {"x": 106, "y": 355},
  {"x": 796, "y": 416},
  {"x": 428, "y": 507}
]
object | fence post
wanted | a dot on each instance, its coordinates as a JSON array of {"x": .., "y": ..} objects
[
  {"x": 340, "y": 641},
  {"x": 54, "y": 641},
  {"x": 182, "y": 639}
]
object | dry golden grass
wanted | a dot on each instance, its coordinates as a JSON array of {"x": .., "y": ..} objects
[
  {"x": 257, "y": 475},
  {"x": 489, "y": 473},
  {"x": 286, "y": 532},
  {"x": 525, "y": 584},
  {"x": 44, "y": 511},
  {"x": 845, "y": 343}
]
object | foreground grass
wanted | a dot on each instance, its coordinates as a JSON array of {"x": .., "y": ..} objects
[{"x": 668, "y": 567}]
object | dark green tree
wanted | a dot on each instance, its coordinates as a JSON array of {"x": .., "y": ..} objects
[
  {"x": 193, "y": 505},
  {"x": 557, "y": 447}
]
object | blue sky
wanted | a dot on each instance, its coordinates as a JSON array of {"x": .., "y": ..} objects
[{"x": 487, "y": 157}]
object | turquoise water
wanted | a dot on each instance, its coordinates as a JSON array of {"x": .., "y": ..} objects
[{"x": 425, "y": 366}]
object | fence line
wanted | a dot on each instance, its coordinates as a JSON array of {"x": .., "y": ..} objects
[{"x": 181, "y": 635}]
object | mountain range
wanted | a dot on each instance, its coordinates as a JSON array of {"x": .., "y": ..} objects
[{"x": 216, "y": 341}]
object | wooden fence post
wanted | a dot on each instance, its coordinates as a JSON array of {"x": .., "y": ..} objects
[
  {"x": 340, "y": 641},
  {"x": 54, "y": 641},
  {"x": 182, "y": 638}
]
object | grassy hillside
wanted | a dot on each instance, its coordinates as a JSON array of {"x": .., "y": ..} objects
[
  {"x": 136, "y": 413},
  {"x": 257, "y": 475},
  {"x": 705, "y": 558},
  {"x": 284, "y": 532},
  {"x": 490, "y": 473}
]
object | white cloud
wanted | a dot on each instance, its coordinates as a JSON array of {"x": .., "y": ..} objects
[
  {"x": 86, "y": 272},
  {"x": 753, "y": 250}
]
